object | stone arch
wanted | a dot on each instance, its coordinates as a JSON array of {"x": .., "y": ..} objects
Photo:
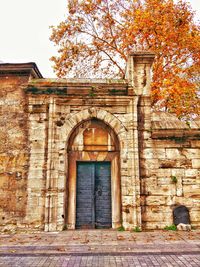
[
  {"x": 73, "y": 120},
  {"x": 55, "y": 210},
  {"x": 103, "y": 130},
  {"x": 79, "y": 121}
]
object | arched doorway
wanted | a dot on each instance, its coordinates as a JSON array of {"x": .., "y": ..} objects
[{"x": 93, "y": 185}]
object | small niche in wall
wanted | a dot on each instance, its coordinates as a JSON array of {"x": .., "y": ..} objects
[{"x": 181, "y": 215}]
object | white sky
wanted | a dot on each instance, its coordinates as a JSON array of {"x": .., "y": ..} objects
[{"x": 24, "y": 30}]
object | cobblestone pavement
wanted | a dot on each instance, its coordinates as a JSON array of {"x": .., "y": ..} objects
[
  {"x": 100, "y": 248},
  {"x": 102, "y": 261}
]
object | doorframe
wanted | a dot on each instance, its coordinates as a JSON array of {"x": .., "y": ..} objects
[
  {"x": 115, "y": 189},
  {"x": 53, "y": 213}
]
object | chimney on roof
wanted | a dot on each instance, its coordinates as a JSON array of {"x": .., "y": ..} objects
[{"x": 138, "y": 72}]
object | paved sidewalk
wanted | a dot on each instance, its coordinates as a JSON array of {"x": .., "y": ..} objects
[
  {"x": 100, "y": 242},
  {"x": 100, "y": 248},
  {"x": 102, "y": 261}
]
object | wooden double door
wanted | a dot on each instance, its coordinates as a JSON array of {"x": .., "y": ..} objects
[{"x": 93, "y": 195}]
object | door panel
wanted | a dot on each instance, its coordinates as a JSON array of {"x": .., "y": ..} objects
[
  {"x": 102, "y": 195},
  {"x": 85, "y": 196},
  {"x": 93, "y": 203}
]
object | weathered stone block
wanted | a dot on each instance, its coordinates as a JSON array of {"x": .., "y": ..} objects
[
  {"x": 192, "y": 173},
  {"x": 196, "y": 163},
  {"x": 191, "y": 153},
  {"x": 195, "y": 143},
  {"x": 154, "y": 153},
  {"x": 149, "y": 163},
  {"x": 173, "y": 153},
  {"x": 155, "y": 200},
  {"x": 192, "y": 191}
]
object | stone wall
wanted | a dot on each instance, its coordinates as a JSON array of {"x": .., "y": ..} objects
[
  {"x": 14, "y": 144},
  {"x": 169, "y": 171},
  {"x": 155, "y": 164},
  {"x": 48, "y": 172},
  {"x": 13, "y": 150}
]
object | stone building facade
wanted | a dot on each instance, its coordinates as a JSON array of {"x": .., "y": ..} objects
[{"x": 86, "y": 153}]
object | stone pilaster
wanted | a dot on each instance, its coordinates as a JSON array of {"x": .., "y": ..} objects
[{"x": 138, "y": 74}]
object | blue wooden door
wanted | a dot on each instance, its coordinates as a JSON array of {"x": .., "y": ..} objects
[
  {"x": 93, "y": 201},
  {"x": 102, "y": 195},
  {"x": 85, "y": 195}
]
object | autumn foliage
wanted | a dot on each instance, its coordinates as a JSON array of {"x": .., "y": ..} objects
[{"x": 97, "y": 36}]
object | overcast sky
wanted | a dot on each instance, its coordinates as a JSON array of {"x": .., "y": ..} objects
[{"x": 24, "y": 30}]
